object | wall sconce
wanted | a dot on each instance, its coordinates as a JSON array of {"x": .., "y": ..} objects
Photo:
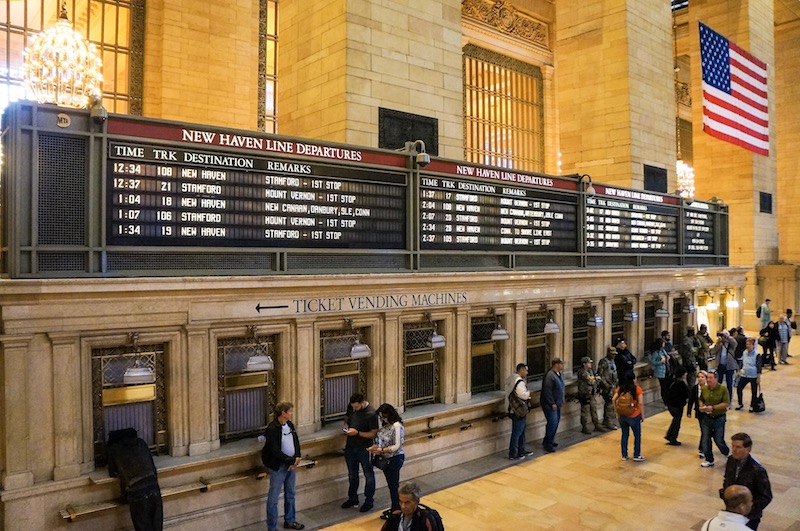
[
  {"x": 589, "y": 189},
  {"x": 630, "y": 315},
  {"x": 711, "y": 305},
  {"x": 359, "y": 350},
  {"x": 550, "y": 327},
  {"x": 417, "y": 148},
  {"x": 258, "y": 362},
  {"x": 596, "y": 319},
  {"x": 436, "y": 340},
  {"x": 137, "y": 374},
  {"x": 731, "y": 302},
  {"x": 662, "y": 312},
  {"x": 499, "y": 333}
]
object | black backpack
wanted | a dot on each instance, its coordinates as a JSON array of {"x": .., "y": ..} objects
[
  {"x": 758, "y": 311},
  {"x": 434, "y": 517}
]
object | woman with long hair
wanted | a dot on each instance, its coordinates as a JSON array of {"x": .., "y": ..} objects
[
  {"x": 389, "y": 444},
  {"x": 632, "y": 419}
]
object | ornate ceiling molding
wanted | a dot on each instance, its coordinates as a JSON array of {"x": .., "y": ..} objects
[{"x": 505, "y": 17}]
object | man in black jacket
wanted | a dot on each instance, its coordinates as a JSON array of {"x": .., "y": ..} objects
[
  {"x": 281, "y": 455},
  {"x": 129, "y": 459},
  {"x": 413, "y": 516},
  {"x": 743, "y": 469}
]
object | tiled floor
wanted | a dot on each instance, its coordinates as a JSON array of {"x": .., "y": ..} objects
[{"x": 585, "y": 485}]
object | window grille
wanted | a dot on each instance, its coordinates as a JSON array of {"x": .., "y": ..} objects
[
  {"x": 341, "y": 375},
  {"x": 677, "y": 320},
  {"x": 116, "y": 405},
  {"x": 618, "y": 321},
  {"x": 650, "y": 332},
  {"x": 503, "y": 111},
  {"x": 485, "y": 359},
  {"x": 421, "y": 365},
  {"x": 246, "y": 399},
  {"x": 581, "y": 339},
  {"x": 537, "y": 345}
]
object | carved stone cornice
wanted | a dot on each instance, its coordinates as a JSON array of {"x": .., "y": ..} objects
[{"x": 505, "y": 17}]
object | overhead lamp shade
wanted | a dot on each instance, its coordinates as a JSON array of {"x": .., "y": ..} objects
[
  {"x": 712, "y": 306},
  {"x": 732, "y": 304},
  {"x": 259, "y": 363},
  {"x": 138, "y": 375},
  {"x": 436, "y": 341},
  {"x": 359, "y": 351},
  {"x": 595, "y": 320},
  {"x": 499, "y": 334},
  {"x": 661, "y": 312},
  {"x": 631, "y": 317},
  {"x": 551, "y": 328},
  {"x": 689, "y": 308}
]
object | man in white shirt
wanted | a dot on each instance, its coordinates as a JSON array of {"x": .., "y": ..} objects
[
  {"x": 738, "y": 502},
  {"x": 519, "y": 423}
]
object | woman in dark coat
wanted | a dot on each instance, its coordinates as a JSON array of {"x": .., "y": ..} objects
[{"x": 768, "y": 341}]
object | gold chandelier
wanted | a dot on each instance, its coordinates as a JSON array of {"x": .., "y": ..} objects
[{"x": 61, "y": 67}]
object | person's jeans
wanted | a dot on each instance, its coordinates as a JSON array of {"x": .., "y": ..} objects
[
  {"x": 675, "y": 425},
  {"x": 359, "y": 457},
  {"x": 517, "y": 445},
  {"x": 742, "y": 384},
  {"x": 147, "y": 511},
  {"x": 553, "y": 418},
  {"x": 392, "y": 475},
  {"x": 286, "y": 479},
  {"x": 635, "y": 424},
  {"x": 727, "y": 374},
  {"x": 713, "y": 428},
  {"x": 783, "y": 351}
]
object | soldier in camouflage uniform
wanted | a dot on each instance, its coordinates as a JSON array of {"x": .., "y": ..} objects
[
  {"x": 705, "y": 346},
  {"x": 688, "y": 349},
  {"x": 587, "y": 387},
  {"x": 607, "y": 382}
]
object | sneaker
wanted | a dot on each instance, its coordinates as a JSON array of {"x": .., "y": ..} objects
[
  {"x": 367, "y": 507},
  {"x": 638, "y": 458},
  {"x": 706, "y": 464},
  {"x": 293, "y": 525},
  {"x": 674, "y": 443},
  {"x": 526, "y": 453},
  {"x": 701, "y": 455},
  {"x": 624, "y": 457},
  {"x": 349, "y": 503},
  {"x": 515, "y": 457},
  {"x": 739, "y": 407}
]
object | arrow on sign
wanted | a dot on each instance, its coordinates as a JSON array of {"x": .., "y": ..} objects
[{"x": 259, "y": 307}]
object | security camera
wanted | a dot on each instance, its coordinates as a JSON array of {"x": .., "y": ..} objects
[
  {"x": 98, "y": 113},
  {"x": 423, "y": 159}
]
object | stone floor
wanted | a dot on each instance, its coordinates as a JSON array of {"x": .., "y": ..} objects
[{"x": 585, "y": 485}]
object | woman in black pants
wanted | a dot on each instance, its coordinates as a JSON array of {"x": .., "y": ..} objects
[
  {"x": 676, "y": 396},
  {"x": 694, "y": 403},
  {"x": 768, "y": 340}
]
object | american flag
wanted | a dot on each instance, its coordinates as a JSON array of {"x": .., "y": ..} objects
[{"x": 735, "y": 106}]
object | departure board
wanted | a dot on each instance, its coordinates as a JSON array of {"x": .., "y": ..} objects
[
  {"x": 168, "y": 196},
  {"x": 698, "y": 226},
  {"x": 457, "y": 214},
  {"x": 621, "y": 225}
]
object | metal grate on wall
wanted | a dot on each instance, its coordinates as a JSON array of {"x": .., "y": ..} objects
[
  {"x": 421, "y": 365},
  {"x": 62, "y": 190},
  {"x": 485, "y": 362},
  {"x": 536, "y": 345},
  {"x": 214, "y": 263}
]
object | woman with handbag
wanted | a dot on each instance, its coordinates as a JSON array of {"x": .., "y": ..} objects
[
  {"x": 388, "y": 453},
  {"x": 768, "y": 340}
]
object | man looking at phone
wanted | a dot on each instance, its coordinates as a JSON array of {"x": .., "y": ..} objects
[{"x": 361, "y": 426}]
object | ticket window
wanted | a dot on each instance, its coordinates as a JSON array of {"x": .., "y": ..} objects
[
  {"x": 246, "y": 385},
  {"x": 485, "y": 358},
  {"x": 420, "y": 365},
  {"x": 342, "y": 375},
  {"x": 581, "y": 338},
  {"x": 128, "y": 391},
  {"x": 537, "y": 348}
]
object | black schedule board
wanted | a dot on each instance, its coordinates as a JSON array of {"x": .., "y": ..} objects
[
  {"x": 621, "y": 225},
  {"x": 465, "y": 215},
  {"x": 699, "y": 227},
  {"x": 168, "y": 196}
]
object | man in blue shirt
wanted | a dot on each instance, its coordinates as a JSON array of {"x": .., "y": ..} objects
[{"x": 751, "y": 372}]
